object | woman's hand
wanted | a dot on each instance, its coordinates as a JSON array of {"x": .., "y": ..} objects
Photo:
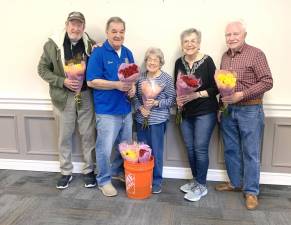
[
  {"x": 183, "y": 99},
  {"x": 145, "y": 112},
  {"x": 149, "y": 103},
  {"x": 131, "y": 91}
]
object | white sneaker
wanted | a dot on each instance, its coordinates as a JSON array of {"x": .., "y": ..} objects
[
  {"x": 108, "y": 190},
  {"x": 196, "y": 193},
  {"x": 188, "y": 187}
]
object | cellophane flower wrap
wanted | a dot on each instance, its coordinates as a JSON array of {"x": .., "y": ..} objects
[
  {"x": 145, "y": 153},
  {"x": 226, "y": 83},
  {"x": 136, "y": 152},
  {"x": 76, "y": 71},
  {"x": 185, "y": 85},
  {"x": 150, "y": 90},
  {"x": 128, "y": 72}
]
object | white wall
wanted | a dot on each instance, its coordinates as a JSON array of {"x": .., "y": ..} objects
[{"x": 25, "y": 26}]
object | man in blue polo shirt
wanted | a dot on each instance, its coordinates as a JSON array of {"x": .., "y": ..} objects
[{"x": 112, "y": 108}]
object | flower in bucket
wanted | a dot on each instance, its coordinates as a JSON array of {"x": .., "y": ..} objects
[
  {"x": 129, "y": 152},
  {"x": 76, "y": 71},
  {"x": 145, "y": 152},
  {"x": 226, "y": 82},
  {"x": 185, "y": 85},
  {"x": 150, "y": 90},
  {"x": 136, "y": 153}
]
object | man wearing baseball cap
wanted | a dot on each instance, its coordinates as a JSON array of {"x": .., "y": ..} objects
[{"x": 68, "y": 48}]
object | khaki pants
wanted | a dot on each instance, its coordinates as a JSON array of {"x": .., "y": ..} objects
[{"x": 68, "y": 120}]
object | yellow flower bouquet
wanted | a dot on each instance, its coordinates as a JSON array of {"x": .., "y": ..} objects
[{"x": 226, "y": 83}]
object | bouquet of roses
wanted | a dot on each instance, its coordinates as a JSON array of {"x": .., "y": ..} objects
[
  {"x": 150, "y": 90},
  {"x": 76, "y": 71},
  {"x": 136, "y": 153},
  {"x": 185, "y": 85},
  {"x": 128, "y": 72},
  {"x": 226, "y": 82}
]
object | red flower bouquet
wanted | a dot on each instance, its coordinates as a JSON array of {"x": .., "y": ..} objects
[
  {"x": 128, "y": 72},
  {"x": 185, "y": 85}
]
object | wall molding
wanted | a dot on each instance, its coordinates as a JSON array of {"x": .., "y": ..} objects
[
  {"x": 271, "y": 109},
  {"x": 169, "y": 172},
  {"x": 26, "y": 104}
]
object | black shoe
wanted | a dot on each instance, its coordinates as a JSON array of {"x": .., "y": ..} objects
[
  {"x": 90, "y": 180},
  {"x": 64, "y": 181}
]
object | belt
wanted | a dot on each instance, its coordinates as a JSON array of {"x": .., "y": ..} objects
[{"x": 250, "y": 102}]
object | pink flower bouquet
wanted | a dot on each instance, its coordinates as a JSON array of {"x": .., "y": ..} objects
[
  {"x": 185, "y": 85},
  {"x": 76, "y": 72},
  {"x": 150, "y": 90},
  {"x": 145, "y": 152}
]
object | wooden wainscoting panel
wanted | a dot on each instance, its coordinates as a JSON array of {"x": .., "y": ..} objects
[
  {"x": 8, "y": 134},
  {"x": 282, "y": 145},
  {"x": 40, "y": 135}
]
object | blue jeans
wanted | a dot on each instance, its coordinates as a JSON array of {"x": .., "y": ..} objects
[
  {"x": 242, "y": 132},
  {"x": 197, "y": 131},
  {"x": 154, "y": 137},
  {"x": 111, "y": 130}
]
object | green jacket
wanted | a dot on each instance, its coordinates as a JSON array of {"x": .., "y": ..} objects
[{"x": 51, "y": 67}]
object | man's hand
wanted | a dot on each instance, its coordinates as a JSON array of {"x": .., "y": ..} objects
[
  {"x": 71, "y": 84},
  {"x": 123, "y": 86},
  {"x": 234, "y": 98}
]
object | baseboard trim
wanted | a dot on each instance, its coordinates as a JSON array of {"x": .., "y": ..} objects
[{"x": 169, "y": 172}]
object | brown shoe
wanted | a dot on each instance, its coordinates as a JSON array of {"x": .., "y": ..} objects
[
  {"x": 226, "y": 186},
  {"x": 251, "y": 201},
  {"x": 108, "y": 190}
]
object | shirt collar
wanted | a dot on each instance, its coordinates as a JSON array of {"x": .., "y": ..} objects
[{"x": 108, "y": 46}]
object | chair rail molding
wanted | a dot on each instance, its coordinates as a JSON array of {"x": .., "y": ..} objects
[{"x": 270, "y": 109}]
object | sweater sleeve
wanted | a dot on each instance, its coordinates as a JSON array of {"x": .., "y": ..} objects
[
  {"x": 45, "y": 67},
  {"x": 169, "y": 93}
]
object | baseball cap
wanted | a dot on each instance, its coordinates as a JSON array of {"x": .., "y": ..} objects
[{"x": 76, "y": 16}]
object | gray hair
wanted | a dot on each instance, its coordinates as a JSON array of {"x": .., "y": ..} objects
[
  {"x": 114, "y": 19},
  {"x": 190, "y": 31},
  {"x": 155, "y": 51},
  {"x": 241, "y": 22}
]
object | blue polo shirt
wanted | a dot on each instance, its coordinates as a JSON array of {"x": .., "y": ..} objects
[{"x": 103, "y": 64}]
